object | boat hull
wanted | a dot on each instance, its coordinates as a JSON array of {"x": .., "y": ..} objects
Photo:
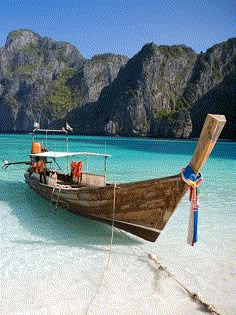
[{"x": 142, "y": 208}]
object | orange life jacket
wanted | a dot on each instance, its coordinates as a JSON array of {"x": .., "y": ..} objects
[
  {"x": 76, "y": 168},
  {"x": 38, "y": 167},
  {"x": 41, "y": 166}
]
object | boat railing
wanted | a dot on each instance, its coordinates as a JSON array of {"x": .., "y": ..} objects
[
  {"x": 49, "y": 131},
  {"x": 43, "y": 153}
]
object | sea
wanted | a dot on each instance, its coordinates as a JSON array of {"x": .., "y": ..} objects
[{"x": 54, "y": 262}]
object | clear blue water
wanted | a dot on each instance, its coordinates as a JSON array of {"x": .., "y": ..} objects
[{"x": 53, "y": 263}]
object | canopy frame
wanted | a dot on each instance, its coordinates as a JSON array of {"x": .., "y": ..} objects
[{"x": 59, "y": 154}]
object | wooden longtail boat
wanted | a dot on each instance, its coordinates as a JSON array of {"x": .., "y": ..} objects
[{"x": 142, "y": 208}]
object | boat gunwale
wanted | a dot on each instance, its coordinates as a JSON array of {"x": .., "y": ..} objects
[{"x": 110, "y": 185}]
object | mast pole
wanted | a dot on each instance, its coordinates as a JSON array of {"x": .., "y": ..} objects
[
  {"x": 67, "y": 158},
  {"x": 105, "y": 166},
  {"x": 46, "y": 139}
]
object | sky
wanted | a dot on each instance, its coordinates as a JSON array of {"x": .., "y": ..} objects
[{"x": 122, "y": 26}]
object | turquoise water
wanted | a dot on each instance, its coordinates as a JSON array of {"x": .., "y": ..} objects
[{"x": 54, "y": 263}]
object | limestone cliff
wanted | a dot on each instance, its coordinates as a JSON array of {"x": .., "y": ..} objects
[
  {"x": 212, "y": 87},
  {"x": 163, "y": 91},
  {"x": 28, "y": 66},
  {"x": 41, "y": 79},
  {"x": 150, "y": 92},
  {"x": 95, "y": 74}
]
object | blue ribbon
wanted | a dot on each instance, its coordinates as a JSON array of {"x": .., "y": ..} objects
[
  {"x": 195, "y": 229},
  {"x": 188, "y": 173},
  {"x": 191, "y": 179}
]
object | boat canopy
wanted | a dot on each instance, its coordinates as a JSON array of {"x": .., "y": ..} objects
[{"x": 55, "y": 154}]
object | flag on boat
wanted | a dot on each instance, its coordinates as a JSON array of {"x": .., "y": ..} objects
[
  {"x": 68, "y": 127},
  {"x": 36, "y": 125}
]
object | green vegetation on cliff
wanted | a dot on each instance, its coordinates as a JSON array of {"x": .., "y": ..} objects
[
  {"x": 161, "y": 92},
  {"x": 60, "y": 99}
]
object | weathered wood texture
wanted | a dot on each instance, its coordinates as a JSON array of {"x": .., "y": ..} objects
[
  {"x": 210, "y": 132},
  {"x": 145, "y": 205},
  {"x": 142, "y": 208}
]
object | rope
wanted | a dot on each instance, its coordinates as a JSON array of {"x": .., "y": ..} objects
[
  {"x": 209, "y": 307},
  {"x": 109, "y": 256},
  {"x": 113, "y": 221},
  {"x": 58, "y": 196},
  {"x": 52, "y": 195},
  {"x": 58, "y": 165}
]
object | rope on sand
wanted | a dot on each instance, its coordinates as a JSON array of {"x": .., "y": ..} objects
[
  {"x": 113, "y": 223},
  {"x": 109, "y": 257},
  {"x": 209, "y": 307}
]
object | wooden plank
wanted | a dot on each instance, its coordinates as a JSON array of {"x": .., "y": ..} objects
[{"x": 210, "y": 133}]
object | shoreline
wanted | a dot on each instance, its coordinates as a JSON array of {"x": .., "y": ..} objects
[{"x": 118, "y": 136}]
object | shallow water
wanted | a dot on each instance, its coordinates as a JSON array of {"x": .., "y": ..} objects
[{"x": 57, "y": 263}]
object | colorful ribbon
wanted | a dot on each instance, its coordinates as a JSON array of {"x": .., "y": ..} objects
[{"x": 191, "y": 179}]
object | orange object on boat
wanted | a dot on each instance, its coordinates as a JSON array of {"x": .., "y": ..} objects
[
  {"x": 36, "y": 147},
  {"x": 76, "y": 168}
]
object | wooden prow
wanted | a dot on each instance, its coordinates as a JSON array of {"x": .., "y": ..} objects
[
  {"x": 171, "y": 190},
  {"x": 210, "y": 132}
]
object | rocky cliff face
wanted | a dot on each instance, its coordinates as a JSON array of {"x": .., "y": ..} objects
[
  {"x": 28, "y": 66},
  {"x": 150, "y": 90},
  {"x": 41, "y": 79},
  {"x": 95, "y": 74},
  {"x": 163, "y": 91},
  {"x": 212, "y": 87},
  {"x": 219, "y": 100}
]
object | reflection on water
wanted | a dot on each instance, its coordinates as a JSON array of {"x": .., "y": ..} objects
[{"x": 59, "y": 227}]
